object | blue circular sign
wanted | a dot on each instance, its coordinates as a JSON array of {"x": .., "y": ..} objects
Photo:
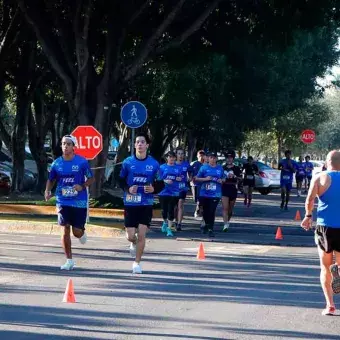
[{"x": 134, "y": 114}]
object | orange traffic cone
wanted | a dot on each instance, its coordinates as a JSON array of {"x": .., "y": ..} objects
[
  {"x": 297, "y": 216},
  {"x": 279, "y": 235},
  {"x": 200, "y": 253},
  {"x": 69, "y": 292}
]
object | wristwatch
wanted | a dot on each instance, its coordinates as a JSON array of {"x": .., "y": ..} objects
[{"x": 308, "y": 216}]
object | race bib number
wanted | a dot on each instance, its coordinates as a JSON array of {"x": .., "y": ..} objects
[
  {"x": 211, "y": 187},
  {"x": 69, "y": 192},
  {"x": 181, "y": 185},
  {"x": 134, "y": 198},
  {"x": 286, "y": 177},
  {"x": 301, "y": 173},
  {"x": 250, "y": 177}
]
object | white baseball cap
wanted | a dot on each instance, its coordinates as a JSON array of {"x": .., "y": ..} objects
[{"x": 72, "y": 139}]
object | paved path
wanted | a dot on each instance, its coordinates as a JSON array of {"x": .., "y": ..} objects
[{"x": 238, "y": 292}]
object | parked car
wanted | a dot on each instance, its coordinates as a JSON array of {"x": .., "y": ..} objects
[
  {"x": 30, "y": 179},
  {"x": 30, "y": 164},
  {"x": 5, "y": 183},
  {"x": 268, "y": 178}
]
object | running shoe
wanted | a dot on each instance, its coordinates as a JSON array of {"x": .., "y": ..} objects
[
  {"x": 169, "y": 233},
  {"x": 69, "y": 264},
  {"x": 136, "y": 268},
  {"x": 178, "y": 227},
  {"x": 226, "y": 227},
  {"x": 286, "y": 207},
  {"x": 335, "y": 278},
  {"x": 133, "y": 249},
  {"x": 83, "y": 239},
  {"x": 329, "y": 310},
  {"x": 164, "y": 227},
  {"x": 281, "y": 206}
]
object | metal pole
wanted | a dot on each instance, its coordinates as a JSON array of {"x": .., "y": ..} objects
[{"x": 132, "y": 141}]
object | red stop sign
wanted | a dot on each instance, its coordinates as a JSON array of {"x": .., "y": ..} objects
[
  {"x": 89, "y": 140},
  {"x": 308, "y": 136}
]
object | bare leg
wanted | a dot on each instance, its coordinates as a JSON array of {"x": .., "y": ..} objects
[
  {"x": 231, "y": 209},
  {"x": 250, "y": 195},
  {"x": 142, "y": 230},
  {"x": 131, "y": 235},
  {"x": 225, "y": 209},
  {"x": 283, "y": 196},
  {"x": 326, "y": 260},
  {"x": 77, "y": 232},
  {"x": 246, "y": 193},
  {"x": 66, "y": 241},
  {"x": 180, "y": 211}
]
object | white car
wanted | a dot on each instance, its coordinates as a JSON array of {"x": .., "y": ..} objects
[{"x": 318, "y": 165}]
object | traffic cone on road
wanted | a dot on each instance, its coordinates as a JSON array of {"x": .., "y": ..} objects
[
  {"x": 297, "y": 216},
  {"x": 279, "y": 235},
  {"x": 200, "y": 253},
  {"x": 69, "y": 292}
]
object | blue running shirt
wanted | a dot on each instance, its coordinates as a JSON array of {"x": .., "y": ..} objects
[
  {"x": 300, "y": 169},
  {"x": 212, "y": 188},
  {"x": 286, "y": 171},
  {"x": 185, "y": 169},
  {"x": 170, "y": 172},
  {"x": 68, "y": 173},
  {"x": 139, "y": 172},
  {"x": 309, "y": 168}
]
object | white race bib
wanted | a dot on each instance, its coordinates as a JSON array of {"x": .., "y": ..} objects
[
  {"x": 286, "y": 177},
  {"x": 211, "y": 187},
  {"x": 69, "y": 192},
  {"x": 301, "y": 172},
  {"x": 250, "y": 177},
  {"x": 134, "y": 198}
]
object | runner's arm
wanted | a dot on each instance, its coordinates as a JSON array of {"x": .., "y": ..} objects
[
  {"x": 312, "y": 193},
  {"x": 49, "y": 185}
]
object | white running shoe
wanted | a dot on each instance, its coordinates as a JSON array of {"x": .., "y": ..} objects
[
  {"x": 226, "y": 227},
  {"x": 83, "y": 239},
  {"x": 133, "y": 250},
  {"x": 69, "y": 264},
  {"x": 136, "y": 268}
]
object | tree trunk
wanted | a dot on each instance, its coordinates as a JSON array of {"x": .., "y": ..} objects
[
  {"x": 19, "y": 140},
  {"x": 37, "y": 130}
]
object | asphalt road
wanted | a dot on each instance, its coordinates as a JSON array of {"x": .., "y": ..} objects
[{"x": 240, "y": 291}]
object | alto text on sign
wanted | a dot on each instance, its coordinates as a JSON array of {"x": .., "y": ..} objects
[
  {"x": 308, "y": 136},
  {"x": 89, "y": 141}
]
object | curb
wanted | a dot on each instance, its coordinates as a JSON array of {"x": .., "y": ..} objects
[{"x": 50, "y": 228}]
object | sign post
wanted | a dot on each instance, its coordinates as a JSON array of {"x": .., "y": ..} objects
[
  {"x": 134, "y": 115},
  {"x": 308, "y": 136},
  {"x": 89, "y": 145}
]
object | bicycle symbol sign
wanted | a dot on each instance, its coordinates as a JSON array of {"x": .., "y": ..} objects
[{"x": 134, "y": 114}]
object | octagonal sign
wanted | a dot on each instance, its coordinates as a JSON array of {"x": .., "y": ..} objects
[{"x": 89, "y": 141}]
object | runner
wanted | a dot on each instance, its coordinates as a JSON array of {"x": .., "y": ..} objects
[
  {"x": 138, "y": 180},
  {"x": 195, "y": 187},
  {"x": 229, "y": 188},
  {"x": 288, "y": 168},
  {"x": 300, "y": 175},
  {"x": 309, "y": 167},
  {"x": 73, "y": 176},
  {"x": 211, "y": 176},
  {"x": 249, "y": 171},
  {"x": 326, "y": 186},
  {"x": 170, "y": 173},
  {"x": 186, "y": 175}
]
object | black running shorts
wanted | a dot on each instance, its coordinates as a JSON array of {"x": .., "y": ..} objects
[
  {"x": 230, "y": 191},
  {"x": 136, "y": 215},
  {"x": 328, "y": 239}
]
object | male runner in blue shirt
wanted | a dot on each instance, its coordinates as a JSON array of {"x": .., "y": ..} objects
[
  {"x": 73, "y": 175},
  {"x": 309, "y": 167},
  {"x": 186, "y": 172},
  {"x": 196, "y": 187},
  {"x": 138, "y": 179},
  {"x": 288, "y": 168}
]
